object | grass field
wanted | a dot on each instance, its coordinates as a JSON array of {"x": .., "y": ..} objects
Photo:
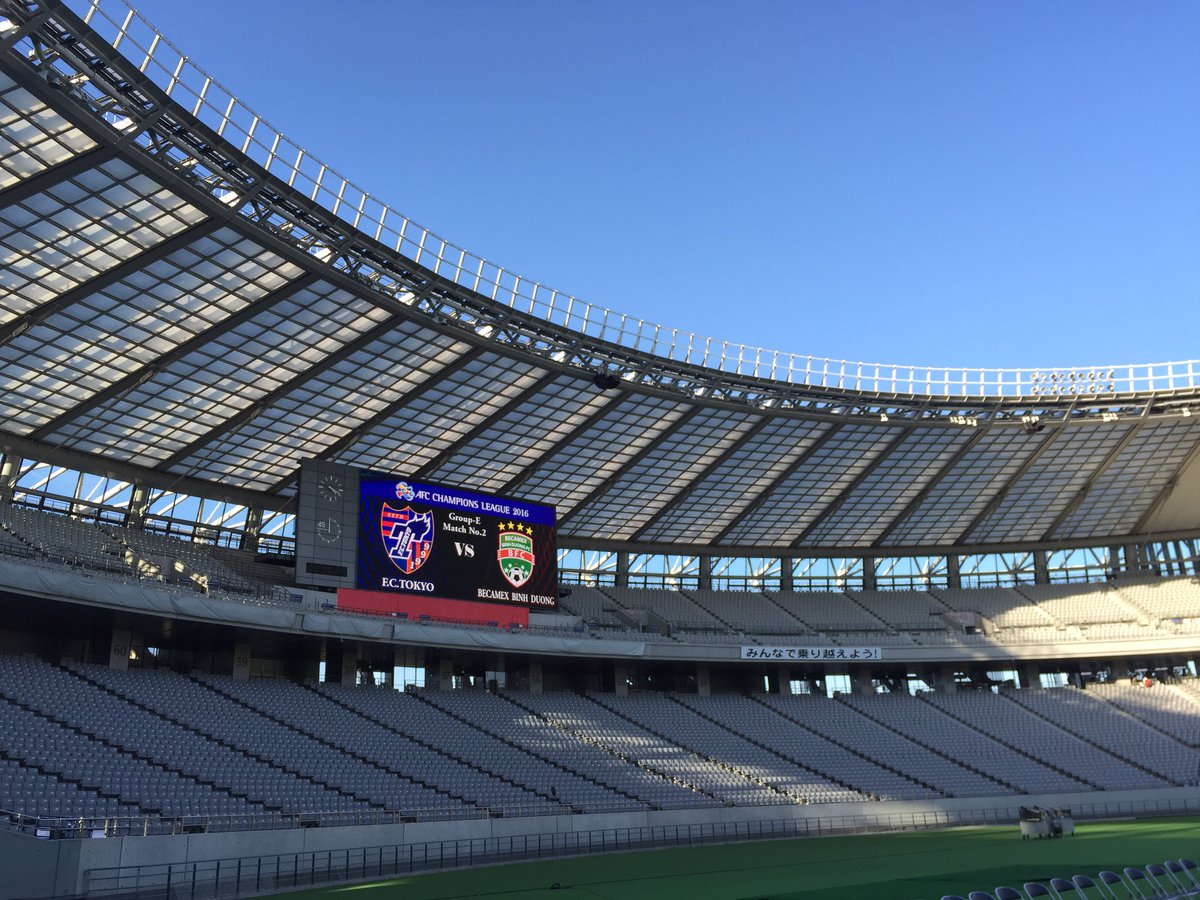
[{"x": 904, "y": 866}]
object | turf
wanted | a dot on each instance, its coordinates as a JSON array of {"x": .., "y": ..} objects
[{"x": 904, "y": 866}]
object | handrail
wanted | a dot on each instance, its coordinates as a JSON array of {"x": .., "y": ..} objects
[
  {"x": 218, "y": 108},
  {"x": 82, "y": 827}
]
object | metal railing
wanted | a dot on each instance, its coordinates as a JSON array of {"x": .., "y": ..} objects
[
  {"x": 214, "y": 105},
  {"x": 262, "y": 874},
  {"x": 79, "y": 827}
]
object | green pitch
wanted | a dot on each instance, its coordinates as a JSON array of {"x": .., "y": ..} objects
[{"x": 871, "y": 867}]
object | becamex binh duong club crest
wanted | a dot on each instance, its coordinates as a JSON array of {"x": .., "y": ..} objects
[
  {"x": 407, "y": 535},
  {"x": 515, "y": 552}
]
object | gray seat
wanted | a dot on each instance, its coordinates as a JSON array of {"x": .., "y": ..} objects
[
  {"x": 1108, "y": 879},
  {"x": 1183, "y": 868},
  {"x": 1164, "y": 881},
  {"x": 1134, "y": 874}
]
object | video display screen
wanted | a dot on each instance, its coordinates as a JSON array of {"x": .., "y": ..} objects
[{"x": 420, "y": 538}]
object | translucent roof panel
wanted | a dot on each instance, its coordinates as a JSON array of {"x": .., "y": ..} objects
[
  {"x": 722, "y": 495},
  {"x": 962, "y": 493},
  {"x": 81, "y": 227},
  {"x": 598, "y": 451},
  {"x": 1125, "y": 490},
  {"x": 644, "y": 488},
  {"x": 864, "y": 514},
  {"x": 501, "y": 452},
  {"x": 317, "y": 412},
  {"x": 416, "y": 433},
  {"x": 83, "y": 348},
  {"x": 821, "y": 476},
  {"x": 198, "y": 392},
  {"x": 1031, "y": 505},
  {"x": 32, "y": 136}
]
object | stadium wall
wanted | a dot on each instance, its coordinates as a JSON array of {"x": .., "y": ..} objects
[
  {"x": 42, "y": 868},
  {"x": 27, "y": 581}
]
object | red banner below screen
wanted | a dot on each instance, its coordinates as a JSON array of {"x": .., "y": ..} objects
[{"x": 435, "y": 608}]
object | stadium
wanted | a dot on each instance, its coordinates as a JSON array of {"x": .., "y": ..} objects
[{"x": 330, "y": 550}]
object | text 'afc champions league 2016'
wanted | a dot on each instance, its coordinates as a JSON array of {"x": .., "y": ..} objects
[{"x": 419, "y": 538}]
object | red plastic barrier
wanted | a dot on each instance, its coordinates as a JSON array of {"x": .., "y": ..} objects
[{"x": 415, "y": 606}]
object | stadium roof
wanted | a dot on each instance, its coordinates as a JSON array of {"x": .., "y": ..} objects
[{"x": 192, "y": 301}]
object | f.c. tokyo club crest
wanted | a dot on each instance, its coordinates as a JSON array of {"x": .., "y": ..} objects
[
  {"x": 407, "y": 535},
  {"x": 515, "y": 553}
]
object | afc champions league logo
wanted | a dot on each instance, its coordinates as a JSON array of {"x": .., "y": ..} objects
[
  {"x": 515, "y": 552},
  {"x": 407, "y": 534}
]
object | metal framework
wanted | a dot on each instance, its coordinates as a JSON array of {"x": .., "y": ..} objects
[{"x": 194, "y": 305}]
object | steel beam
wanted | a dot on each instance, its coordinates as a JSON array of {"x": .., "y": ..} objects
[
  {"x": 132, "y": 472},
  {"x": 574, "y": 434},
  {"x": 21, "y": 324},
  {"x": 791, "y": 469},
  {"x": 638, "y": 457},
  {"x": 55, "y": 175},
  {"x": 844, "y": 494},
  {"x": 693, "y": 485},
  {"x": 992, "y": 505},
  {"x": 854, "y": 551},
  {"x": 145, "y": 373},
  {"x": 384, "y": 414},
  {"x": 270, "y": 399},
  {"x": 916, "y": 501},
  {"x": 1163, "y": 494},
  {"x": 428, "y": 470},
  {"x": 1134, "y": 430}
]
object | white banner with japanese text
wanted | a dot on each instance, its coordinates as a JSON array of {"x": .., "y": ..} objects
[{"x": 809, "y": 654}]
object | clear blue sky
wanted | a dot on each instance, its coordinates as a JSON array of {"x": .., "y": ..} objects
[{"x": 957, "y": 183}]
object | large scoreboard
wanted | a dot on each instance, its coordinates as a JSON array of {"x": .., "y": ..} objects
[
  {"x": 424, "y": 538},
  {"x": 392, "y": 533}
]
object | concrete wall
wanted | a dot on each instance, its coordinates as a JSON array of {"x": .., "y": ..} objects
[
  {"x": 41, "y": 868},
  {"x": 71, "y": 587}
]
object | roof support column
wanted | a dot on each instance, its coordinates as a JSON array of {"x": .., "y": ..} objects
[
  {"x": 139, "y": 505},
  {"x": 868, "y": 570},
  {"x": 944, "y": 680},
  {"x": 1187, "y": 553},
  {"x": 1167, "y": 557},
  {"x": 1041, "y": 569},
  {"x": 622, "y": 568},
  {"x": 621, "y": 680},
  {"x": 785, "y": 573},
  {"x": 1114, "y": 563},
  {"x": 252, "y": 528},
  {"x": 10, "y": 466},
  {"x": 1132, "y": 557},
  {"x": 953, "y": 572},
  {"x": 1181, "y": 557},
  {"x": 862, "y": 681},
  {"x": 1031, "y": 677},
  {"x": 706, "y": 570}
]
